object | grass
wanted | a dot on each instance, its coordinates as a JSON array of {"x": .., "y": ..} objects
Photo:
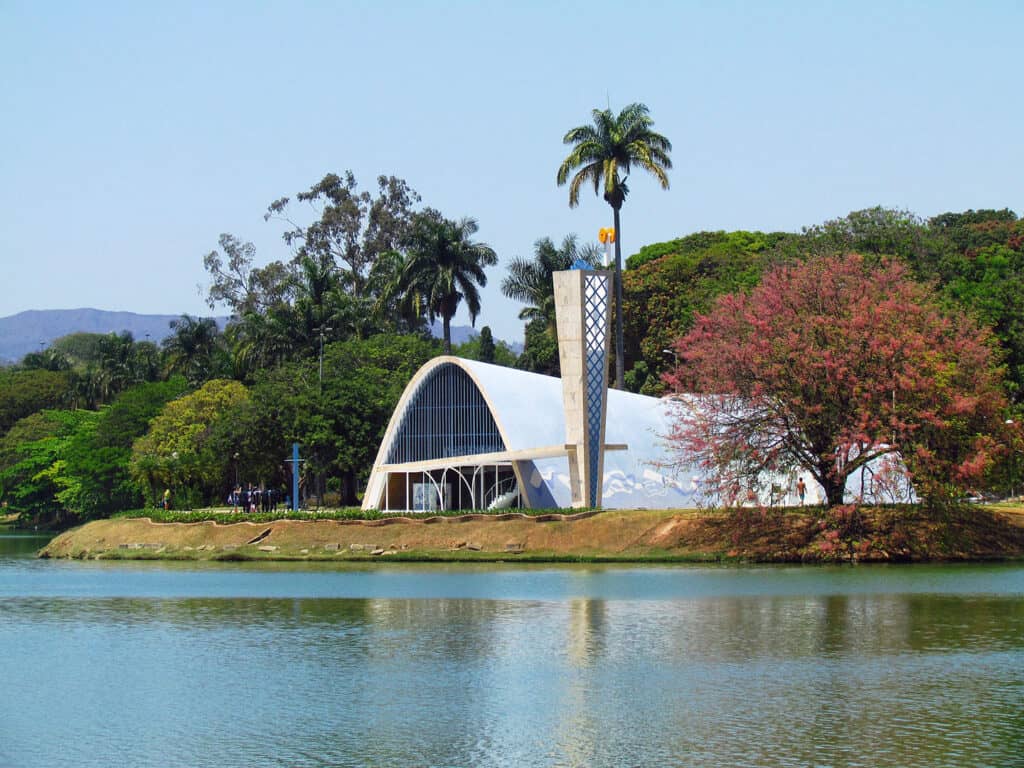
[
  {"x": 808, "y": 534},
  {"x": 227, "y": 516}
]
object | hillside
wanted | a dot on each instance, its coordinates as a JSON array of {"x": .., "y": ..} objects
[{"x": 22, "y": 333}]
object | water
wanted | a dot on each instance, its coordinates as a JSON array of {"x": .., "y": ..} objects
[{"x": 153, "y": 664}]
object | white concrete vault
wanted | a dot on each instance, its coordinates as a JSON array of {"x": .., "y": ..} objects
[
  {"x": 528, "y": 451},
  {"x": 525, "y": 451}
]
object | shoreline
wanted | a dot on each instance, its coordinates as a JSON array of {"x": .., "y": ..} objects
[{"x": 636, "y": 536}]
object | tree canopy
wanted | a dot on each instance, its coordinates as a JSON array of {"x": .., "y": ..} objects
[
  {"x": 830, "y": 364},
  {"x": 531, "y": 281},
  {"x": 446, "y": 267},
  {"x": 177, "y": 450},
  {"x": 363, "y": 282}
]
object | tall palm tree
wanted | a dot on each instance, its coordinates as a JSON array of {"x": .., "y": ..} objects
[
  {"x": 530, "y": 280},
  {"x": 192, "y": 348},
  {"x": 444, "y": 267},
  {"x": 395, "y": 307},
  {"x": 118, "y": 364},
  {"x": 600, "y": 152},
  {"x": 259, "y": 341}
]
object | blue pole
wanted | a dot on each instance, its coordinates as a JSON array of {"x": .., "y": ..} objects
[{"x": 295, "y": 477}]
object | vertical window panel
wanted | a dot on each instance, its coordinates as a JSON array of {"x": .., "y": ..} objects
[{"x": 447, "y": 417}]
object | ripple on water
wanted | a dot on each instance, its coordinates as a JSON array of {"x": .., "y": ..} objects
[{"x": 793, "y": 678}]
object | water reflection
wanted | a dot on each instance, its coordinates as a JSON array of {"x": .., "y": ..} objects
[{"x": 800, "y": 675}]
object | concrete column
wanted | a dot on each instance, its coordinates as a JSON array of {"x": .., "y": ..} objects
[{"x": 582, "y": 302}]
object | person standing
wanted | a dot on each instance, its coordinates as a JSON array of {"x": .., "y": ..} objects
[
  {"x": 167, "y": 498},
  {"x": 801, "y": 490}
]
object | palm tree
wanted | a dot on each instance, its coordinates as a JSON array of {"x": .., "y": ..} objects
[
  {"x": 259, "y": 341},
  {"x": 613, "y": 144},
  {"x": 530, "y": 281},
  {"x": 444, "y": 267},
  {"x": 118, "y": 364},
  {"x": 192, "y": 348},
  {"x": 396, "y": 308},
  {"x": 48, "y": 359}
]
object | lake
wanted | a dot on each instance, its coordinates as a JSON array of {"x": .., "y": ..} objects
[{"x": 168, "y": 664}]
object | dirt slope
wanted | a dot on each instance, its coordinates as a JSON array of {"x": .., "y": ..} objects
[{"x": 871, "y": 535}]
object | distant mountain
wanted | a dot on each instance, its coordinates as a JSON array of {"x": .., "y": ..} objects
[
  {"x": 463, "y": 333},
  {"x": 460, "y": 333},
  {"x": 22, "y": 333},
  {"x": 26, "y": 331}
]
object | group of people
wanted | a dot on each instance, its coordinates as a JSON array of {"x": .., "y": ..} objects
[{"x": 252, "y": 499}]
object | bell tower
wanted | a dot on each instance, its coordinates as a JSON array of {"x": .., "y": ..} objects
[{"x": 582, "y": 311}]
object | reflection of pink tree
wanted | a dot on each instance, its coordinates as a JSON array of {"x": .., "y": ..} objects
[{"x": 830, "y": 366}]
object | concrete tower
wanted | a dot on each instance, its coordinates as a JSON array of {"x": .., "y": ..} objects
[{"x": 582, "y": 303}]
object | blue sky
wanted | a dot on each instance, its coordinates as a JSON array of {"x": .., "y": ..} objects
[{"x": 133, "y": 133}]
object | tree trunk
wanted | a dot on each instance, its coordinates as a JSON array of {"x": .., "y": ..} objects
[
  {"x": 620, "y": 355},
  {"x": 446, "y": 324},
  {"x": 834, "y": 488},
  {"x": 348, "y": 489}
]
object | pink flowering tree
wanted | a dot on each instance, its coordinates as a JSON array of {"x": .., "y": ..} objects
[{"x": 829, "y": 365}]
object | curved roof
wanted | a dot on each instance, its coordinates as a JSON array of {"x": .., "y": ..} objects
[
  {"x": 528, "y": 411},
  {"x": 527, "y": 408}
]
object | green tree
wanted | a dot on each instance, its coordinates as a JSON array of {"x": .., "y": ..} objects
[
  {"x": 972, "y": 230},
  {"x": 487, "y": 348},
  {"x": 340, "y": 427},
  {"x": 98, "y": 459},
  {"x": 668, "y": 283},
  {"x": 123, "y": 363},
  {"x": 478, "y": 348},
  {"x": 991, "y": 285},
  {"x": 23, "y": 392},
  {"x": 352, "y": 228},
  {"x": 260, "y": 341},
  {"x": 403, "y": 310},
  {"x": 177, "y": 452},
  {"x": 531, "y": 281},
  {"x": 80, "y": 348},
  {"x": 242, "y": 287},
  {"x": 48, "y": 359},
  {"x": 36, "y": 482},
  {"x": 194, "y": 348},
  {"x": 603, "y": 154},
  {"x": 26, "y": 430},
  {"x": 540, "y": 350},
  {"x": 445, "y": 268}
]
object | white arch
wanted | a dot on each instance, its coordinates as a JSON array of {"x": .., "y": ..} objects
[
  {"x": 375, "y": 485},
  {"x": 528, "y": 412}
]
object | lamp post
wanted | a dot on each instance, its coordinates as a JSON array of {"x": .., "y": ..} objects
[
  {"x": 1013, "y": 458},
  {"x": 675, "y": 357},
  {"x": 322, "y": 330}
]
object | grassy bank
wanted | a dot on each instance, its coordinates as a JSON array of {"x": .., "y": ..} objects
[
  {"x": 229, "y": 515},
  {"x": 900, "y": 534}
]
